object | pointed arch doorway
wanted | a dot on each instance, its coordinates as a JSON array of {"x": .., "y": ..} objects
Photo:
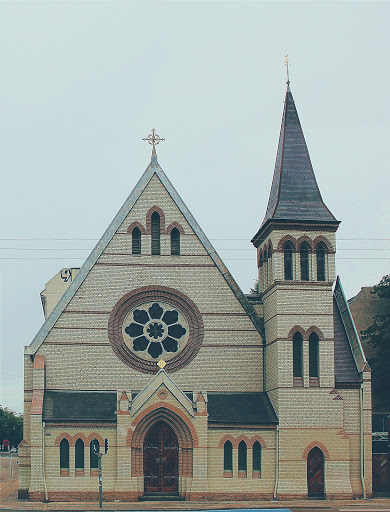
[
  {"x": 316, "y": 473},
  {"x": 161, "y": 459}
]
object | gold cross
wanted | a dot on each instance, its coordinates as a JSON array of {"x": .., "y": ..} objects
[
  {"x": 161, "y": 363},
  {"x": 153, "y": 138}
]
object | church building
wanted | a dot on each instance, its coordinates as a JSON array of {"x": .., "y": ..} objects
[{"x": 199, "y": 391}]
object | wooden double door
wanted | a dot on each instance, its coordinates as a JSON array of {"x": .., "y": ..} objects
[
  {"x": 315, "y": 474},
  {"x": 161, "y": 459}
]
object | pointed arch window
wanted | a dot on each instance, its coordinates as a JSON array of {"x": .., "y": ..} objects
[
  {"x": 228, "y": 457},
  {"x": 136, "y": 241},
  {"x": 64, "y": 457},
  {"x": 242, "y": 457},
  {"x": 94, "y": 447},
  {"x": 304, "y": 257},
  {"x": 266, "y": 268},
  {"x": 256, "y": 459},
  {"x": 79, "y": 455},
  {"x": 175, "y": 241},
  {"x": 155, "y": 228},
  {"x": 320, "y": 254},
  {"x": 288, "y": 261},
  {"x": 297, "y": 355},
  {"x": 313, "y": 354}
]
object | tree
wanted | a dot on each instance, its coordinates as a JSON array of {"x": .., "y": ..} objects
[
  {"x": 378, "y": 336},
  {"x": 11, "y": 427},
  {"x": 256, "y": 288}
]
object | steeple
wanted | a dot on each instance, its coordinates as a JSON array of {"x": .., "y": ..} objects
[{"x": 295, "y": 196}]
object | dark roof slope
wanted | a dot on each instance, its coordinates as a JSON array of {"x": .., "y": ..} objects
[
  {"x": 79, "y": 406},
  {"x": 295, "y": 195},
  {"x": 249, "y": 408},
  {"x": 345, "y": 367}
]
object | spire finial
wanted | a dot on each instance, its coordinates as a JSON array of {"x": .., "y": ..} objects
[
  {"x": 153, "y": 139},
  {"x": 288, "y": 74}
]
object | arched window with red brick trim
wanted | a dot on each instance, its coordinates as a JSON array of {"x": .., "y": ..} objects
[
  {"x": 136, "y": 241},
  {"x": 64, "y": 455},
  {"x": 155, "y": 229}
]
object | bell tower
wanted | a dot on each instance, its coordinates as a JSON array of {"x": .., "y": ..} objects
[{"x": 296, "y": 263}]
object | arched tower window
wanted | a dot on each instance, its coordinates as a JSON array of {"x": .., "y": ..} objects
[
  {"x": 79, "y": 454},
  {"x": 155, "y": 222},
  {"x": 228, "y": 456},
  {"x": 136, "y": 241},
  {"x": 288, "y": 261},
  {"x": 64, "y": 455},
  {"x": 94, "y": 447},
  {"x": 265, "y": 268},
  {"x": 256, "y": 458},
  {"x": 320, "y": 254},
  {"x": 242, "y": 456},
  {"x": 313, "y": 354},
  {"x": 175, "y": 241},
  {"x": 304, "y": 257},
  {"x": 297, "y": 355}
]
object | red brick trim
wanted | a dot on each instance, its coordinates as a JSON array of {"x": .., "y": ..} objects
[
  {"x": 149, "y": 219},
  {"x": 230, "y": 438},
  {"x": 296, "y": 328},
  {"x": 284, "y": 240},
  {"x": 174, "y": 297},
  {"x": 154, "y": 265},
  {"x": 37, "y": 402},
  {"x": 325, "y": 241},
  {"x": 39, "y": 362},
  {"x": 259, "y": 439},
  {"x": 72, "y": 439},
  {"x": 315, "y": 329},
  {"x": 136, "y": 225},
  {"x": 174, "y": 225},
  {"x": 315, "y": 444},
  {"x": 306, "y": 239}
]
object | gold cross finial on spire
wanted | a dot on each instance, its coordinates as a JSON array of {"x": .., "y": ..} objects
[
  {"x": 288, "y": 75},
  {"x": 153, "y": 138}
]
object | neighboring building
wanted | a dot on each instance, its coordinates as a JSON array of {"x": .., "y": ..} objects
[
  {"x": 255, "y": 397},
  {"x": 55, "y": 289},
  {"x": 364, "y": 306}
]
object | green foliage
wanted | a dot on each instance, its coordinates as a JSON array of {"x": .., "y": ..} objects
[
  {"x": 11, "y": 427},
  {"x": 256, "y": 288},
  {"x": 378, "y": 335}
]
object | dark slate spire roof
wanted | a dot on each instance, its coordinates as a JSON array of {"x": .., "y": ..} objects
[{"x": 295, "y": 195}]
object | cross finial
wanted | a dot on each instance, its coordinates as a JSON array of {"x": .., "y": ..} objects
[
  {"x": 153, "y": 138},
  {"x": 288, "y": 75}
]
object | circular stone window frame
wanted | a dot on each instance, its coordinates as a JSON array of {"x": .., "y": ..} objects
[{"x": 155, "y": 293}]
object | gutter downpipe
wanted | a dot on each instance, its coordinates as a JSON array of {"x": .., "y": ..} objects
[
  {"x": 43, "y": 462},
  {"x": 275, "y": 496},
  {"x": 362, "y": 442}
]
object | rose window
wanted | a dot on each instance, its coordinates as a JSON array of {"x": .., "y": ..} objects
[{"x": 155, "y": 330}]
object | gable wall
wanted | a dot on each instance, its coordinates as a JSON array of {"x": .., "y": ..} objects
[{"x": 78, "y": 352}]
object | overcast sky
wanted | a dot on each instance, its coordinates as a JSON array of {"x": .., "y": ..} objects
[{"x": 83, "y": 82}]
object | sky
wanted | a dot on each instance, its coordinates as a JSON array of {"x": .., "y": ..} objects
[{"x": 82, "y": 82}]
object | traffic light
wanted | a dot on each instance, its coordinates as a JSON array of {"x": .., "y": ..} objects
[
  {"x": 95, "y": 446},
  {"x": 105, "y": 445}
]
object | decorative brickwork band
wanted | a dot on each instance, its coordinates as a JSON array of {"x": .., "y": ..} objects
[{"x": 155, "y": 293}]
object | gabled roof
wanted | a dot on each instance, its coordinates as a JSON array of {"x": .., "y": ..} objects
[
  {"x": 152, "y": 169},
  {"x": 158, "y": 380},
  {"x": 349, "y": 355},
  {"x": 295, "y": 195}
]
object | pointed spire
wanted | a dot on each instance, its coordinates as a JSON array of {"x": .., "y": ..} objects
[{"x": 295, "y": 195}]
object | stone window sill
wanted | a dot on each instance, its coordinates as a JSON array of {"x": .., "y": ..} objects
[
  {"x": 64, "y": 472},
  {"x": 314, "y": 382},
  {"x": 228, "y": 474},
  {"x": 256, "y": 474},
  {"x": 298, "y": 382},
  {"x": 241, "y": 473}
]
